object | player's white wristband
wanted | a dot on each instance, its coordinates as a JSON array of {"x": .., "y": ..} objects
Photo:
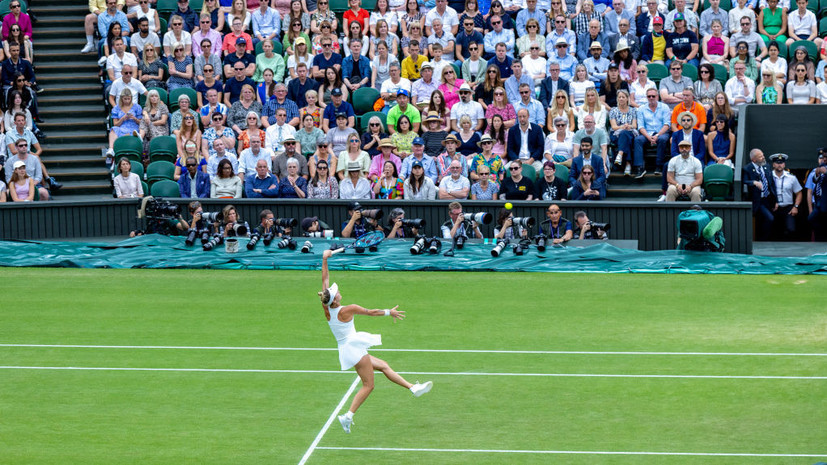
[{"x": 387, "y": 312}]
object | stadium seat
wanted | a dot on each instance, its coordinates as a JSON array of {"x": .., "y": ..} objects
[
  {"x": 339, "y": 6},
  {"x": 690, "y": 71},
  {"x": 657, "y": 71},
  {"x": 176, "y": 93},
  {"x": 159, "y": 170},
  {"x": 812, "y": 5},
  {"x": 278, "y": 47},
  {"x": 165, "y": 188},
  {"x": 363, "y": 99},
  {"x": 164, "y": 27},
  {"x": 146, "y": 188},
  {"x": 529, "y": 172},
  {"x": 822, "y": 28},
  {"x": 369, "y": 5},
  {"x": 130, "y": 147},
  {"x": 812, "y": 50},
  {"x": 718, "y": 182},
  {"x": 457, "y": 71},
  {"x": 367, "y": 116},
  {"x": 163, "y": 148},
  {"x": 161, "y": 93},
  {"x": 260, "y": 48},
  {"x": 196, "y": 5},
  {"x": 4, "y": 7},
  {"x": 138, "y": 168},
  {"x": 561, "y": 172},
  {"x": 165, "y": 7},
  {"x": 721, "y": 74}
]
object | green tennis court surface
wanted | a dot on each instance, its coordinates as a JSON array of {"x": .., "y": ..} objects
[{"x": 218, "y": 367}]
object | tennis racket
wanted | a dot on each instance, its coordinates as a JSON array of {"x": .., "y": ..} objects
[{"x": 364, "y": 241}]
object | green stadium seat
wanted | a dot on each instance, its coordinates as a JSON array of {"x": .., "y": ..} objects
[
  {"x": 196, "y": 5},
  {"x": 163, "y": 148},
  {"x": 725, "y": 5},
  {"x": 812, "y": 5},
  {"x": 165, "y": 7},
  {"x": 657, "y": 71},
  {"x": 278, "y": 47},
  {"x": 260, "y": 48},
  {"x": 561, "y": 172},
  {"x": 145, "y": 188},
  {"x": 367, "y": 116},
  {"x": 363, "y": 100},
  {"x": 176, "y": 93},
  {"x": 129, "y": 146},
  {"x": 164, "y": 26},
  {"x": 161, "y": 93},
  {"x": 721, "y": 73},
  {"x": 339, "y": 6},
  {"x": 718, "y": 181},
  {"x": 159, "y": 170},
  {"x": 822, "y": 27},
  {"x": 690, "y": 71},
  {"x": 369, "y": 5},
  {"x": 529, "y": 172},
  {"x": 138, "y": 168},
  {"x": 165, "y": 188},
  {"x": 812, "y": 50}
]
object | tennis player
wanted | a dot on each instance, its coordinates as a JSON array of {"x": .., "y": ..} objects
[{"x": 353, "y": 345}]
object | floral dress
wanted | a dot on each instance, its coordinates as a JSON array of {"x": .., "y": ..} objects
[{"x": 392, "y": 190}]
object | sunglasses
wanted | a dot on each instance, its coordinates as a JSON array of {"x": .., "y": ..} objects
[
  {"x": 483, "y": 173},
  {"x": 321, "y": 167},
  {"x": 534, "y": 48},
  {"x": 494, "y": 23},
  {"x": 531, "y": 25},
  {"x": 325, "y": 45},
  {"x": 189, "y": 118},
  {"x": 486, "y": 143},
  {"x": 561, "y": 97},
  {"x": 21, "y": 146},
  {"x": 473, "y": 48},
  {"x": 514, "y": 168},
  {"x": 561, "y": 125},
  {"x": 492, "y": 71},
  {"x": 289, "y": 143},
  {"x": 321, "y": 145},
  {"x": 562, "y": 46},
  {"x": 524, "y": 92},
  {"x": 641, "y": 72},
  {"x": 703, "y": 71},
  {"x": 193, "y": 165},
  {"x": 217, "y": 118},
  {"x": 587, "y": 172},
  {"x": 374, "y": 124}
]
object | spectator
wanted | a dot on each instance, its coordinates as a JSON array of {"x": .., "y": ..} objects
[
  {"x": 112, "y": 14},
  {"x": 177, "y": 35},
  {"x": 225, "y": 185},
  {"x": 150, "y": 73},
  {"x": 623, "y": 121},
  {"x": 498, "y": 132},
  {"x": 715, "y": 46},
  {"x": 267, "y": 23},
  {"x": 212, "y": 104},
  {"x": 155, "y": 118},
  {"x": 240, "y": 110},
  {"x": 639, "y": 87},
  {"x": 233, "y": 88},
  {"x": 238, "y": 10},
  {"x": 653, "y": 125},
  {"x": 455, "y": 185},
  {"x": 549, "y": 186},
  {"x": 389, "y": 85},
  {"x": 579, "y": 85},
  {"x": 434, "y": 136},
  {"x": 125, "y": 82},
  {"x": 243, "y": 57},
  {"x": 429, "y": 166},
  {"x": 354, "y": 186},
  {"x": 649, "y": 10},
  {"x": 21, "y": 185},
  {"x": 557, "y": 228},
  {"x": 389, "y": 185},
  {"x": 560, "y": 31},
  {"x": 356, "y": 33},
  {"x": 323, "y": 154},
  {"x": 443, "y": 161},
  {"x": 278, "y": 133},
  {"x": 535, "y": 65},
  {"x": 189, "y": 16},
  {"x": 689, "y": 104},
  {"x": 326, "y": 60},
  {"x": 205, "y": 34},
  {"x": 180, "y": 69},
  {"x": 516, "y": 186},
  {"x": 33, "y": 165},
  {"x": 720, "y": 143},
  {"x": 249, "y": 157},
  {"x": 216, "y": 12},
  {"x": 592, "y": 107},
  {"x": 189, "y": 149},
  {"x": 586, "y": 40},
  {"x": 769, "y": 91},
  {"x": 682, "y": 45},
  {"x": 323, "y": 184},
  {"x": 96, "y": 8},
  {"x": 498, "y": 10},
  {"x": 690, "y": 17},
  {"x": 596, "y": 64},
  {"x": 748, "y": 35},
  {"x": 722, "y": 107},
  {"x": 686, "y": 131},
  {"x": 740, "y": 89},
  {"x": 351, "y": 153},
  {"x": 708, "y": 18},
  {"x": 195, "y": 183},
  {"x": 742, "y": 56},
  {"x": 457, "y": 225},
  {"x": 292, "y": 36},
  {"x": 220, "y": 153},
  {"x": 653, "y": 44},
  {"x": 356, "y": 68},
  {"x": 800, "y": 55},
  {"x": 584, "y": 188},
  {"x": 776, "y": 63},
  {"x": 127, "y": 184},
  {"x": 413, "y": 63},
  {"x": 816, "y": 200},
  {"x": 559, "y": 107},
  {"x": 280, "y": 161},
  {"x": 625, "y": 62},
  {"x": 410, "y": 16},
  {"x": 612, "y": 85},
  {"x": 332, "y": 80},
  {"x": 126, "y": 119},
  {"x": 737, "y": 12},
  {"x": 800, "y": 90},
  {"x": 269, "y": 60},
  {"x": 559, "y": 144},
  {"x": 300, "y": 55},
  {"x": 772, "y": 23},
  {"x": 292, "y": 185},
  {"x": 340, "y": 139},
  {"x": 587, "y": 158},
  {"x": 403, "y": 137},
  {"x": 402, "y": 108},
  {"x": 418, "y": 186},
  {"x": 183, "y": 110},
  {"x": 526, "y": 141},
  {"x": 684, "y": 175},
  {"x": 671, "y": 88},
  {"x": 802, "y": 25},
  {"x": 188, "y": 132},
  {"x": 14, "y": 105},
  {"x": 598, "y": 135},
  {"x": 469, "y": 35},
  {"x": 386, "y": 147},
  {"x": 447, "y": 16},
  {"x": 309, "y": 136},
  {"x": 467, "y": 137},
  {"x": 485, "y": 188},
  {"x": 705, "y": 89},
  {"x": 16, "y": 37},
  {"x": 323, "y": 14},
  {"x": 582, "y": 22},
  {"x": 338, "y": 106},
  {"x": 501, "y": 106}
]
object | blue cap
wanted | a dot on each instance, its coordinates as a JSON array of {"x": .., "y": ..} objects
[
  {"x": 240, "y": 40},
  {"x": 418, "y": 141},
  {"x": 403, "y": 92},
  {"x": 416, "y": 163},
  {"x": 679, "y": 17}
]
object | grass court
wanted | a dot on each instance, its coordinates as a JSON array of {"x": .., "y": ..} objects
[{"x": 220, "y": 367}]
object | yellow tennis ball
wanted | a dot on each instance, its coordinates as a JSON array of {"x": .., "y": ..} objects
[{"x": 508, "y": 206}]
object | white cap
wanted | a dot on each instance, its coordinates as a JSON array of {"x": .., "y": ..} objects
[
  {"x": 19, "y": 163},
  {"x": 333, "y": 289}
]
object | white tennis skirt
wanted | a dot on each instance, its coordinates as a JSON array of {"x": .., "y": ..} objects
[{"x": 355, "y": 347}]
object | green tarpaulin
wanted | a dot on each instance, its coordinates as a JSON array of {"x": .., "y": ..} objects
[{"x": 170, "y": 252}]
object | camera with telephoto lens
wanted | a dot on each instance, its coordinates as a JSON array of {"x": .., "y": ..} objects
[
  {"x": 434, "y": 245},
  {"x": 268, "y": 237},
  {"x": 314, "y": 234},
  {"x": 521, "y": 247},
  {"x": 255, "y": 236},
  {"x": 498, "y": 249},
  {"x": 418, "y": 245},
  {"x": 212, "y": 217},
  {"x": 417, "y": 223},
  {"x": 375, "y": 214},
  {"x": 541, "y": 240},
  {"x": 191, "y": 235},
  {"x": 287, "y": 242},
  {"x": 601, "y": 226},
  {"x": 238, "y": 229},
  {"x": 216, "y": 240},
  {"x": 307, "y": 247},
  {"x": 162, "y": 217},
  {"x": 480, "y": 218},
  {"x": 523, "y": 221},
  {"x": 286, "y": 222},
  {"x": 460, "y": 240}
]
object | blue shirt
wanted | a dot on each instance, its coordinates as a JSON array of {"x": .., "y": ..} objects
[
  {"x": 189, "y": 17},
  {"x": 536, "y": 112},
  {"x": 464, "y": 39},
  {"x": 267, "y": 23},
  {"x": 428, "y": 165},
  {"x": 653, "y": 121},
  {"x": 286, "y": 190},
  {"x": 506, "y": 36},
  {"x": 263, "y": 184},
  {"x": 567, "y": 65},
  {"x": 330, "y": 111},
  {"x": 273, "y": 104},
  {"x": 567, "y": 35},
  {"x": 105, "y": 19},
  {"x": 324, "y": 63},
  {"x": 524, "y": 15},
  {"x": 505, "y": 67},
  {"x": 364, "y": 69},
  {"x": 512, "y": 87}
]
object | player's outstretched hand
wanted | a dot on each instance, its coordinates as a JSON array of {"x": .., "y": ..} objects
[
  {"x": 327, "y": 253},
  {"x": 396, "y": 314}
]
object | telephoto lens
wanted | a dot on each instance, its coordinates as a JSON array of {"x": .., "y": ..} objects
[
  {"x": 268, "y": 238},
  {"x": 216, "y": 240},
  {"x": 287, "y": 242},
  {"x": 307, "y": 247},
  {"x": 418, "y": 245},
  {"x": 460, "y": 242},
  {"x": 541, "y": 240},
  {"x": 434, "y": 246},
  {"x": 498, "y": 249},
  {"x": 253, "y": 240},
  {"x": 191, "y": 234}
]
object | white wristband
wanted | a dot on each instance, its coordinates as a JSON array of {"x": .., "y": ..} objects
[{"x": 387, "y": 312}]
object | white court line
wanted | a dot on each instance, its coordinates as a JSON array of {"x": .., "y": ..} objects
[
  {"x": 569, "y": 452},
  {"x": 329, "y": 422},
  {"x": 452, "y": 351},
  {"x": 423, "y": 373}
]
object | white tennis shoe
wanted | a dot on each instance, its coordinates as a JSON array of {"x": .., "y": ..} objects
[
  {"x": 419, "y": 389},
  {"x": 346, "y": 423}
]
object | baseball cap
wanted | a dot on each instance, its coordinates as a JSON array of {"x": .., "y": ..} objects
[
  {"x": 657, "y": 20},
  {"x": 307, "y": 222},
  {"x": 418, "y": 141},
  {"x": 403, "y": 92},
  {"x": 685, "y": 142},
  {"x": 336, "y": 92},
  {"x": 18, "y": 164},
  {"x": 241, "y": 40},
  {"x": 679, "y": 17},
  {"x": 341, "y": 114}
]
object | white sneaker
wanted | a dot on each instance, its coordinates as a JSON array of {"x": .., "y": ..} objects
[
  {"x": 102, "y": 61},
  {"x": 618, "y": 159},
  {"x": 628, "y": 170},
  {"x": 662, "y": 198},
  {"x": 346, "y": 423},
  {"x": 419, "y": 389},
  {"x": 88, "y": 47}
]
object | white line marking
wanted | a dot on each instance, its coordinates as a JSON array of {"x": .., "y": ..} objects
[
  {"x": 423, "y": 373},
  {"x": 569, "y": 452},
  {"x": 452, "y": 351},
  {"x": 329, "y": 422}
]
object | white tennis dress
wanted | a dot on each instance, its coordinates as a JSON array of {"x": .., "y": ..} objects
[{"x": 352, "y": 344}]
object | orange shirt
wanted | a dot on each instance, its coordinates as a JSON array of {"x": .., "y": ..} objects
[{"x": 697, "y": 109}]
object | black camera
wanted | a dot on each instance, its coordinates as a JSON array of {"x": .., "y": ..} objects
[
  {"x": 191, "y": 235},
  {"x": 417, "y": 223},
  {"x": 161, "y": 216},
  {"x": 216, "y": 240},
  {"x": 498, "y": 249},
  {"x": 541, "y": 240},
  {"x": 160, "y": 208},
  {"x": 521, "y": 247},
  {"x": 601, "y": 226},
  {"x": 460, "y": 241},
  {"x": 434, "y": 246},
  {"x": 254, "y": 238},
  {"x": 286, "y": 222},
  {"x": 287, "y": 242},
  {"x": 268, "y": 237},
  {"x": 418, "y": 245}
]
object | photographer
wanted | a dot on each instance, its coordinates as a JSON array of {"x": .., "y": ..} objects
[
  {"x": 506, "y": 229},
  {"x": 396, "y": 228},
  {"x": 266, "y": 227},
  {"x": 232, "y": 225},
  {"x": 312, "y": 227},
  {"x": 458, "y": 225},
  {"x": 358, "y": 224},
  {"x": 556, "y": 228},
  {"x": 586, "y": 229}
]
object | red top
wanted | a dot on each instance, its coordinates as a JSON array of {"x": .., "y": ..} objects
[
  {"x": 361, "y": 17},
  {"x": 24, "y": 22}
]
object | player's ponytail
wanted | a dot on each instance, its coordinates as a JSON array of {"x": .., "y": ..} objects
[{"x": 324, "y": 296}]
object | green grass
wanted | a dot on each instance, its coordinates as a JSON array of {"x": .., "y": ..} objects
[{"x": 196, "y": 417}]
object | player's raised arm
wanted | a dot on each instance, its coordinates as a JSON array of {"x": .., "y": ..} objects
[{"x": 325, "y": 272}]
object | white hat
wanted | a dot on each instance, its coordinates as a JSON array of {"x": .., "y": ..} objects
[
  {"x": 333, "y": 289},
  {"x": 18, "y": 164},
  {"x": 465, "y": 87},
  {"x": 622, "y": 44}
]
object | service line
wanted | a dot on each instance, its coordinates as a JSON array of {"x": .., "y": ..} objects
[{"x": 570, "y": 452}]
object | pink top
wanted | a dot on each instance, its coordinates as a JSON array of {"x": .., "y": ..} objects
[
  {"x": 379, "y": 161},
  {"x": 24, "y": 22},
  {"x": 630, "y": 74},
  {"x": 507, "y": 113},
  {"x": 22, "y": 190},
  {"x": 282, "y": 6},
  {"x": 715, "y": 46},
  {"x": 451, "y": 92}
]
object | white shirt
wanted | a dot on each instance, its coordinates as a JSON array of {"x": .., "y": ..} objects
[
  {"x": 473, "y": 109},
  {"x": 779, "y": 67},
  {"x": 360, "y": 191},
  {"x": 685, "y": 168},
  {"x": 448, "y": 184},
  {"x": 275, "y": 135},
  {"x": 169, "y": 39},
  {"x": 735, "y": 89},
  {"x": 391, "y": 88},
  {"x": 115, "y": 63},
  {"x": 134, "y": 85},
  {"x": 524, "y": 155},
  {"x": 802, "y": 26},
  {"x": 449, "y": 19},
  {"x": 640, "y": 90},
  {"x": 786, "y": 186}
]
